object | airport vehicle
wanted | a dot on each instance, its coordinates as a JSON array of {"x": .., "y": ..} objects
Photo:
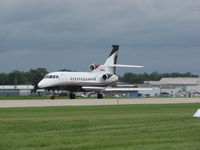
[{"x": 101, "y": 79}]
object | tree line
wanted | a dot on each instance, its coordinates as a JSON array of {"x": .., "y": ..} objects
[
  {"x": 134, "y": 78},
  {"x": 33, "y": 76},
  {"x": 16, "y": 77}
]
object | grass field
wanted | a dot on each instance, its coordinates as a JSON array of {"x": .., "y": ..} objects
[{"x": 138, "y": 127}]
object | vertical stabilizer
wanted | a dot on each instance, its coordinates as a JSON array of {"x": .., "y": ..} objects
[
  {"x": 111, "y": 63},
  {"x": 112, "y": 60}
]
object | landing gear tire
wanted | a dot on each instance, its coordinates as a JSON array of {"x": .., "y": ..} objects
[
  {"x": 53, "y": 97},
  {"x": 72, "y": 96},
  {"x": 99, "y": 96}
]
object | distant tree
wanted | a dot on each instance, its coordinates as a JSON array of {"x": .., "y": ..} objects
[
  {"x": 66, "y": 70},
  {"x": 16, "y": 77},
  {"x": 134, "y": 78},
  {"x": 3, "y": 78}
]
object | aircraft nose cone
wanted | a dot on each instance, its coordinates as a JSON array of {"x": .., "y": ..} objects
[{"x": 41, "y": 84}]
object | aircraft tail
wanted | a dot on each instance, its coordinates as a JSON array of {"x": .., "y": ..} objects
[
  {"x": 112, "y": 59},
  {"x": 111, "y": 63}
]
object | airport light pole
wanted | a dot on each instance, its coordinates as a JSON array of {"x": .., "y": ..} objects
[
  {"x": 3, "y": 88},
  {"x": 2, "y": 79},
  {"x": 15, "y": 85}
]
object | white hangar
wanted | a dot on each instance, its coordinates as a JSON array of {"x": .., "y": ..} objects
[{"x": 174, "y": 87}]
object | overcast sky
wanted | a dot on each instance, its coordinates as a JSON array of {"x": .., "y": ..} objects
[{"x": 162, "y": 35}]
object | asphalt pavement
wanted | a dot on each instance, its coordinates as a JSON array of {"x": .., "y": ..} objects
[{"x": 89, "y": 102}]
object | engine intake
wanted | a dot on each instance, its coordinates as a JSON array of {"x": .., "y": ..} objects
[
  {"x": 93, "y": 66},
  {"x": 106, "y": 76}
]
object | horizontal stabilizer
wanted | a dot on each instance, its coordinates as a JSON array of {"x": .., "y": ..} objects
[{"x": 131, "y": 66}]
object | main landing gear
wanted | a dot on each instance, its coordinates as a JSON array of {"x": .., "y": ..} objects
[
  {"x": 99, "y": 96},
  {"x": 53, "y": 97},
  {"x": 72, "y": 96}
]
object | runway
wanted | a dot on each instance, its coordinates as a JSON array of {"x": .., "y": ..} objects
[{"x": 90, "y": 102}]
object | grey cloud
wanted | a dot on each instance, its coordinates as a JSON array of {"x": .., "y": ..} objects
[{"x": 62, "y": 29}]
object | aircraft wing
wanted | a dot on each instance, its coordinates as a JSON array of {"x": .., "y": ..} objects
[
  {"x": 93, "y": 88},
  {"x": 111, "y": 89},
  {"x": 126, "y": 89}
]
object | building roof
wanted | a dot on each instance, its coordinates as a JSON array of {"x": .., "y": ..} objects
[{"x": 175, "y": 81}]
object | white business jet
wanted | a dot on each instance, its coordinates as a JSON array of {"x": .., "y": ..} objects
[{"x": 101, "y": 79}]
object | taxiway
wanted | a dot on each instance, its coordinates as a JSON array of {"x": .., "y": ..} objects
[{"x": 89, "y": 102}]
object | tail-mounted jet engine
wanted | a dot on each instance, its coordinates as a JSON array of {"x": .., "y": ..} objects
[
  {"x": 106, "y": 76},
  {"x": 93, "y": 66}
]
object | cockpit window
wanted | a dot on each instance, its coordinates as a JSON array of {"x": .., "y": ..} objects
[{"x": 51, "y": 76}]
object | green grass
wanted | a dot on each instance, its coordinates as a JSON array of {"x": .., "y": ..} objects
[{"x": 138, "y": 127}]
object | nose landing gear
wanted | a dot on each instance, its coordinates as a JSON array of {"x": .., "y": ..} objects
[{"x": 53, "y": 97}]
